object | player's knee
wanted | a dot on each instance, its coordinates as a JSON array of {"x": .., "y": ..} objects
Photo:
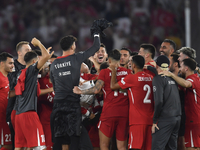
[
  {"x": 121, "y": 145},
  {"x": 104, "y": 144}
]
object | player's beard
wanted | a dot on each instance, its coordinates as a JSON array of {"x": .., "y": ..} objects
[
  {"x": 7, "y": 69},
  {"x": 171, "y": 69},
  {"x": 182, "y": 74}
]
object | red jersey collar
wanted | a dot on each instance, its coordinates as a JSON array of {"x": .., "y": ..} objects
[{"x": 62, "y": 56}]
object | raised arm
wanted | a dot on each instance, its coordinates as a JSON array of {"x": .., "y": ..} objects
[
  {"x": 96, "y": 30},
  {"x": 113, "y": 82},
  {"x": 45, "y": 53},
  {"x": 182, "y": 82},
  {"x": 96, "y": 64}
]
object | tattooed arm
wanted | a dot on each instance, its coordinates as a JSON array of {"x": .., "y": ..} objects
[{"x": 94, "y": 90}]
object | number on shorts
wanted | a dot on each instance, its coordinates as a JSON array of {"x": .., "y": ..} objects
[
  {"x": 148, "y": 89},
  {"x": 8, "y": 137}
]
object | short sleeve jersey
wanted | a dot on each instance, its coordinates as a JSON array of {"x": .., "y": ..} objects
[
  {"x": 115, "y": 102},
  {"x": 45, "y": 102},
  {"x": 140, "y": 94},
  {"x": 28, "y": 100},
  {"x": 150, "y": 64},
  {"x": 4, "y": 91},
  {"x": 12, "y": 77},
  {"x": 192, "y": 100}
]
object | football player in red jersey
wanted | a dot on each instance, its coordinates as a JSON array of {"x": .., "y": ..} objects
[
  {"x": 148, "y": 52},
  {"x": 111, "y": 120},
  {"x": 125, "y": 55},
  {"x": 6, "y": 66},
  {"x": 141, "y": 105},
  {"x": 167, "y": 47},
  {"x": 45, "y": 104}
]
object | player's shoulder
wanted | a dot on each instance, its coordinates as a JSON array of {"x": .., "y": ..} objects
[
  {"x": 33, "y": 66},
  {"x": 18, "y": 65},
  {"x": 193, "y": 78},
  {"x": 2, "y": 77},
  {"x": 105, "y": 70},
  {"x": 151, "y": 63},
  {"x": 144, "y": 73},
  {"x": 159, "y": 78},
  {"x": 3, "y": 80}
]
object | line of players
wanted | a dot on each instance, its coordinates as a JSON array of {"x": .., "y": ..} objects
[{"x": 110, "y": 112}]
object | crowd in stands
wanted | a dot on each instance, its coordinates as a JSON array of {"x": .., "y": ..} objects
[{"x": 135, "y": 22}]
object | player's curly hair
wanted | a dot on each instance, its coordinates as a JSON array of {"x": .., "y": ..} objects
[
  {"x": 67, "y": 41},
  {"x": 190, "y": 52}
]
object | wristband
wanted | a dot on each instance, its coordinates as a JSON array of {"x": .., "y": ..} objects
[{"x": 96, "y": 35}]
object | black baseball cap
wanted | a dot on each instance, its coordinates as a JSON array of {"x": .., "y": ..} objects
[{"x": 163, "y": 61}]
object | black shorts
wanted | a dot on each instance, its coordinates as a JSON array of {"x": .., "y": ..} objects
[
  {"x": 73, "y": 142},
  {"x": 66, "y": 118},
  {"x": 63, "y": 140}
]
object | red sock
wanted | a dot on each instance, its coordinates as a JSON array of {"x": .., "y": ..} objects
[{"x": 4, "y": 148}]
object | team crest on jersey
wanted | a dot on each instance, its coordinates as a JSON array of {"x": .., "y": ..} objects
[{"x": 154, "y": 88}]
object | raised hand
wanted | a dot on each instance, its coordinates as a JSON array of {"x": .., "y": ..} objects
[
  {"x": 35, "y": 42},
  {"x": 50, "y": 53},
  {"x": 166, "y": 73},
  {"x": 99, "y": 25}
]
